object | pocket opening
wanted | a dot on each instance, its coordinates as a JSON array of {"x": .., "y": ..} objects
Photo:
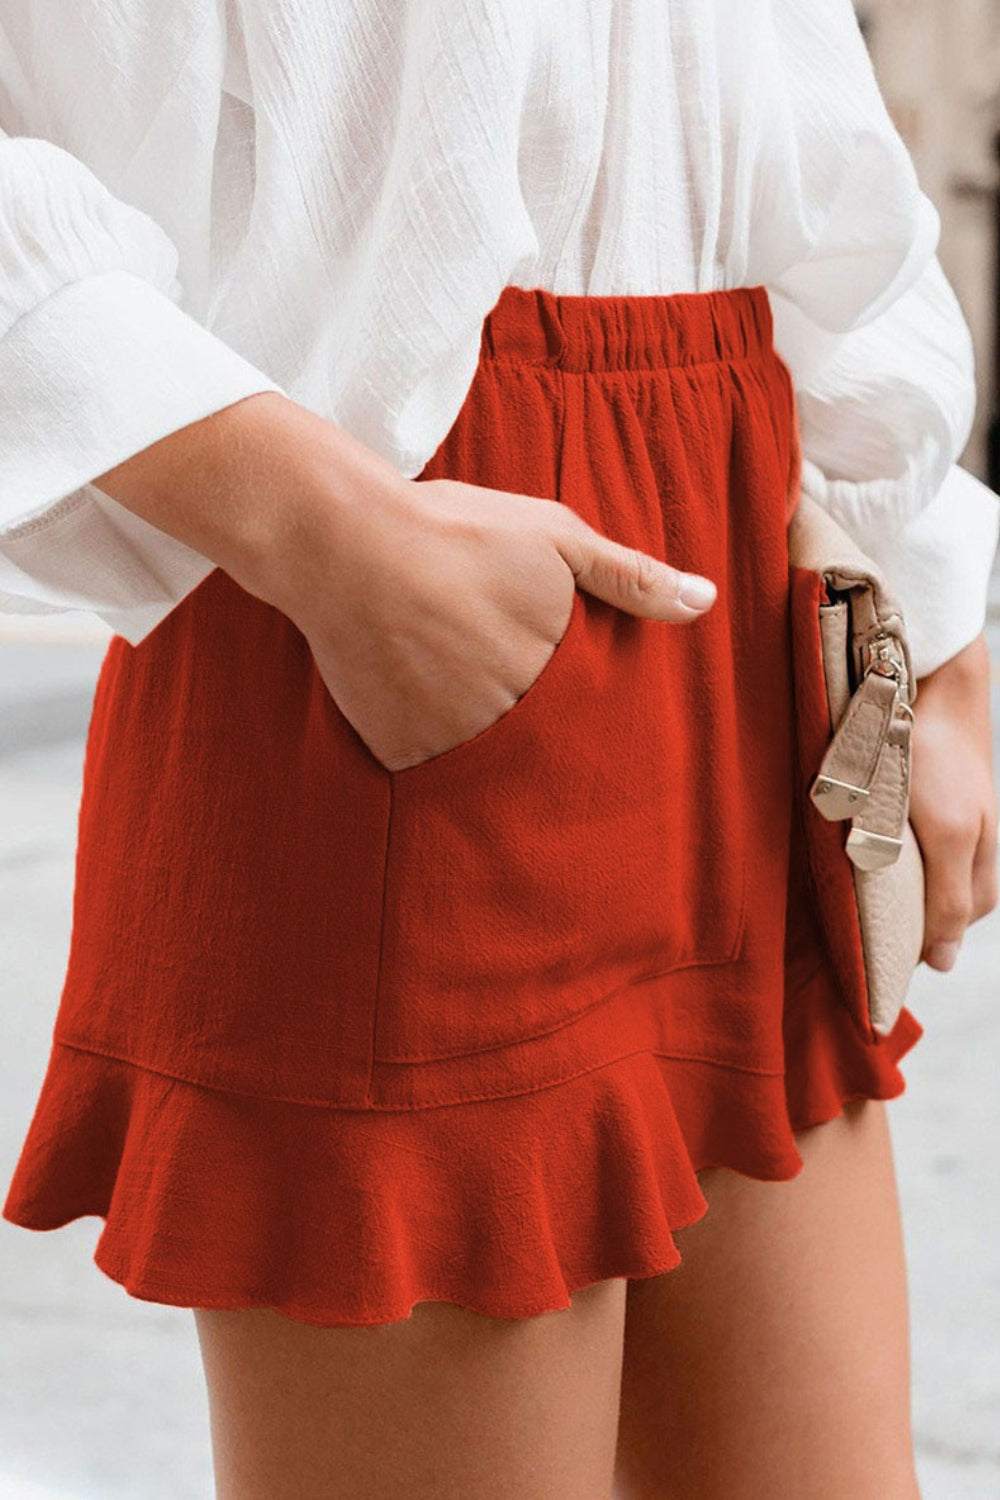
[{"x": 477, "y": 740}]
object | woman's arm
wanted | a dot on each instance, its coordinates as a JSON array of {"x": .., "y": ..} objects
[
  {"x": 429, "y": 606},
  {"x": 954, "y": 799},
  {"x": 97, "y": 361},
  {"x": 882, "y": 362},
  {"x": 883, "y": 420}
]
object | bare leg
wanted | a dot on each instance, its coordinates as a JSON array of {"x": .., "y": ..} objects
[
  {"x": 774, "y": 1361},
  {"x": 447, "y": 1405}
]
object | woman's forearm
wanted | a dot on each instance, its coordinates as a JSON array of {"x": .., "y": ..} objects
[{"x": 247, "y": 484}]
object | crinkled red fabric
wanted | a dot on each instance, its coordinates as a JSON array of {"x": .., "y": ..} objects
[
  {"x": 337, "y": 1217},
  {"x": 336, "y": 1040}
]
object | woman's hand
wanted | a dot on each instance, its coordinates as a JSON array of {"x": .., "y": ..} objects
[
  {"x": 953, "y": 802},
  {"x": 430, "y": 606},
  {"x": 434, "y": 607}
]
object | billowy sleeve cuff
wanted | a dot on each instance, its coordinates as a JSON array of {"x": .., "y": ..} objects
[
  {"x": 90, "y": 376},
  {"x": 939, "y": 567}
]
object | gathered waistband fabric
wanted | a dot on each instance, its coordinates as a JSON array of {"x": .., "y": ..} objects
[{"x": 539, "y": 327}]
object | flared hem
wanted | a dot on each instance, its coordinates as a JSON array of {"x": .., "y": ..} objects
[{"x": 339, "y": 1217}]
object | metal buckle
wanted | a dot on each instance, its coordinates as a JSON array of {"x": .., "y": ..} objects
[
  {"x": 844, "y": 793},
  {"x": 872, "y": 851}
]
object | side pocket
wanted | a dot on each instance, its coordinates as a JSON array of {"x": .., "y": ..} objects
[
  {"x": 831, "y": 871},
  {"x": 585, "y": 841},
  {"x": 506, "y": 723}
]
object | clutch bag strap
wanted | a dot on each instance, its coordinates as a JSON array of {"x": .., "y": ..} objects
[{"x": 865, "y": 773}]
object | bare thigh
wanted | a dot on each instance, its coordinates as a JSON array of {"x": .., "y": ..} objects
[
  {"x": 775, "y": 1359},
  {"x": 447, "y": 1404}
]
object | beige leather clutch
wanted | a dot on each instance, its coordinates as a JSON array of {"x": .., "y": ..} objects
[{"x": 864, "y": 775}]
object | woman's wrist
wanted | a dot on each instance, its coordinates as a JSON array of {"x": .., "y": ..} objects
[
  {"x": 257, "y": 487},
  {"x": 962, "y": 684},
  {"x": 953, "y": 803},
  {"x": 336, "y": 502}
]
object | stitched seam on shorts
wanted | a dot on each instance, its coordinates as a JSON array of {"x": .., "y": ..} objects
[
  {"x": 680, "y": 967},
  {"x": 375, "y": 1108},
  {"x": 372, "y": 1059}
]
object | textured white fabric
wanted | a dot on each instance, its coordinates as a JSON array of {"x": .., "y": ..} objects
[
  {"x": 327, "y": 198},
  {"x": 933, "y": 568}
]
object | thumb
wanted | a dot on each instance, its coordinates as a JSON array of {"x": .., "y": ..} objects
[{"x": 632, "y": 580}]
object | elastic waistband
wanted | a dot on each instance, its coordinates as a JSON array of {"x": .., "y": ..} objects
[{"x": 535, "y": 326}]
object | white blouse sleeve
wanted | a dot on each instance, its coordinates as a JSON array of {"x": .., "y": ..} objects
[
  {"x": 883, "y": 421},
  {"x": 97, "y": 361},
  {"x": 879, "y": 351}
]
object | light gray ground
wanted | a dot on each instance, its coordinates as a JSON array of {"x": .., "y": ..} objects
[{"x": 101, "y": 1395}]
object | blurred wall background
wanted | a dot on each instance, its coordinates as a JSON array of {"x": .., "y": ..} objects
[{"x": 938, "y": 63}]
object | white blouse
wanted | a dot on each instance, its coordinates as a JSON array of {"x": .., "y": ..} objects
[{"x": 200, "y": 200}]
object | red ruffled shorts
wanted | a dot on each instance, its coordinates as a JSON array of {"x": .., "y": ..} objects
[{"x": 336, "y": 1040}]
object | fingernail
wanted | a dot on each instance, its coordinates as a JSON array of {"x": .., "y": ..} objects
[
  {"x": 942, "y": 955},
  {"x": 696, "y": 592}
]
